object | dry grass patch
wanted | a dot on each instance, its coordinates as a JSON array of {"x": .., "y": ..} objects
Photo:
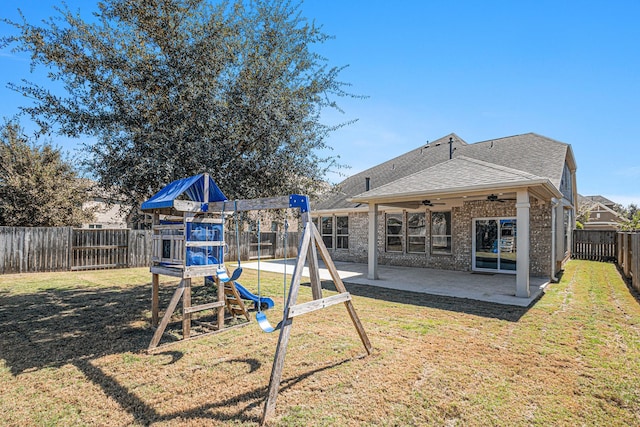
[{"x": 72, "y": 352}]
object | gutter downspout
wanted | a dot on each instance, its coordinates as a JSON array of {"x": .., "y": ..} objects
[{"x": 554, "y": 204}]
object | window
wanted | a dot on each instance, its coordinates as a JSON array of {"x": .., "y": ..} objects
[
  {"x": 441, "y": 232},
  {"x": 342, "y": 232},
  {"x": 394, "y": 232},
  {"x": 326, "y": 229},
  {"x": 416, "y": 232}
]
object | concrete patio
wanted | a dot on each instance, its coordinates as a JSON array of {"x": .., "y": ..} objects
[{"x": 495, "y": 288}]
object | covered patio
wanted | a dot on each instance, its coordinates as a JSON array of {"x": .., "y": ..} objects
[{"x": 494, "y": 288}]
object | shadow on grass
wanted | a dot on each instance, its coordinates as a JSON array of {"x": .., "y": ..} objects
[
  {"x": 55, "y": 327},
  {"x": 460, "y": 305},
  {"x": 145, "y": 414}
]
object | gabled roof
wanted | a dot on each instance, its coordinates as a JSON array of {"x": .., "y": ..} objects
[
  {"x": 528, "y": 153},
  {"x": 461, "y": 174},
  {"x": 587, "y": 200},
  {"x": 421, "y": 158},
  {"x": 190, "y": 189}
]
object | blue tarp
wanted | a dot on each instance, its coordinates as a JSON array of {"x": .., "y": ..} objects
[{"x": 192, "y": 187}]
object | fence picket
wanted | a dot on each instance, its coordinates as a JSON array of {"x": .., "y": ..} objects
[{"x": 40, "y": 249}]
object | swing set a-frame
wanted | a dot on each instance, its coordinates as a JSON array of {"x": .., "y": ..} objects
[{"x": 206, "y": 197}]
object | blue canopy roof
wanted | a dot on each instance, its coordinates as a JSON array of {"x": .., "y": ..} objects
[{"x": 192, "y": 187}]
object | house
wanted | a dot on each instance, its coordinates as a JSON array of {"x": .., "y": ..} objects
[
  {"x": 601, "y": 213},
  {"x": 505, "y": 205},
  {"x": 110, "y": 212}
]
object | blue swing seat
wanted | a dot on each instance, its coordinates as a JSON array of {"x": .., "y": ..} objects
[
  {"x": 264, "y": 324},
  {"x": 221, "y": 272}
]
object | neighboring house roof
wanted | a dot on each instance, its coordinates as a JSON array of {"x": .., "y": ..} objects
[
  {"x": 591, "y": 200},
  {"x": 461, "y": 174},
  {"x": 529, "y": 153}
]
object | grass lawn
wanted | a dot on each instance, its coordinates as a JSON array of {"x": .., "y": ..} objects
[{"x": 72, "y": 353}]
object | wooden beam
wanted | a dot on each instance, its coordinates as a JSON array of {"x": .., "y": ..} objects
[
  {"x": 155, "y": 298},
  {"x": 202, "y": 307},
  {"x": 195, "y": 337},
  {"x": 312, "y": 259},
  {"x": 281, "y": 202},
  {"x": 167, "y": 315},
  {"x": 318, "y": 304},
  {"x": 221, "y": 298},
  {"x": 186, "y": 305}
]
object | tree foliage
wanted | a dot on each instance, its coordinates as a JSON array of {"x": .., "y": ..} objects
[
  {"x": 38, "y": 188},
  {"x": 632, "y": 215},
  {"x": 171, "y": 88}
]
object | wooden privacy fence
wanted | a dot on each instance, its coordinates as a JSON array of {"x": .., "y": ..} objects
[
  {"x": 40, "y": 249},
  {"x": 623, "y": 248},
  {"x": 109, "y": 248},
  {"x": 628, "y": 253},
  {"x": 30, "y": 249},
  {"x": 594, "y": 245}
]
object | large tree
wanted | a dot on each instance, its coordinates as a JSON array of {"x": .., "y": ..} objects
[
  {"x": 170, "y": 88},
  {"x": 38, "y": 188}
]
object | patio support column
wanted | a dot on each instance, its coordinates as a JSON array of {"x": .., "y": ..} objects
[
  {"x": 560, "y": 252},
  {"x": 373, "y": 242},
  {"x": 522, "y": 244}
]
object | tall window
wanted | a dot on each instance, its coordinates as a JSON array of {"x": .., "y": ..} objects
[
  {"x": 342, "y": 232},
  {"x": 394, "y": 232},
  {"x": 441, "y": 232},
  {"x": 416, "y": 232},
  {"x": 326, "y": 229}
]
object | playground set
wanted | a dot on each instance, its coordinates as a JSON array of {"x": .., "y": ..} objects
[{"x": 189, "y": 218}]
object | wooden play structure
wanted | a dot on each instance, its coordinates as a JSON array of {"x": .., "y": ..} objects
[
  {"x": 188, "y": 243},
  {"x": 181, "y": 252}
]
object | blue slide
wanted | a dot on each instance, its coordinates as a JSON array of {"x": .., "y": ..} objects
[{"x": 266, "y": 303}]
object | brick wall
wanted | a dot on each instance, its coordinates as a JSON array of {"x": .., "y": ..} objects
[{"x": 462, "y": 228}]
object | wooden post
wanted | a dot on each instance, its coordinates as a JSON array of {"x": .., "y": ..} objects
[
  {"x": 221, "y": 297},
  {"x": 635, "y": 248},
  {"x": 167, "y": 316},
  {"x": 155, "y": 298},
  {"x": 312, "y": 258},
  {"x": 186, "y": 304}
]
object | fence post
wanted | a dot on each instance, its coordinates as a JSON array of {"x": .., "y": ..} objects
[{"x": 635, "y": 264}]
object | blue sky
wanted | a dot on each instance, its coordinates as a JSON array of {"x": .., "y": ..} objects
[{"x": 568, "y": 70}]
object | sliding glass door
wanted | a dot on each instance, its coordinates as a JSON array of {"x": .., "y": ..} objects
[{"x": 494, "y": 245}]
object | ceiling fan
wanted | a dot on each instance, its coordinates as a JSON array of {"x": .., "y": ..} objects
[
  {"x": 430, "y": 203},
  {"x": 495, "y": 198}
]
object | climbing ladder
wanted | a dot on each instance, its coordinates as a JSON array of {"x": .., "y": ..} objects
[{"x": 235, "y": 304}]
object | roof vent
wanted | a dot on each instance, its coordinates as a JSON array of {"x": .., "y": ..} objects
[{"x": 367, "y": 183}]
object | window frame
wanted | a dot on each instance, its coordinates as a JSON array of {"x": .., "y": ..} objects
[
  {"x": 448, "y": 237},
  {"x": 422, "y": 236},
  {"x": 339, "y": 236},
  {"x": 324, "y": 235},
  {"x": 400, "y": 235}
]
